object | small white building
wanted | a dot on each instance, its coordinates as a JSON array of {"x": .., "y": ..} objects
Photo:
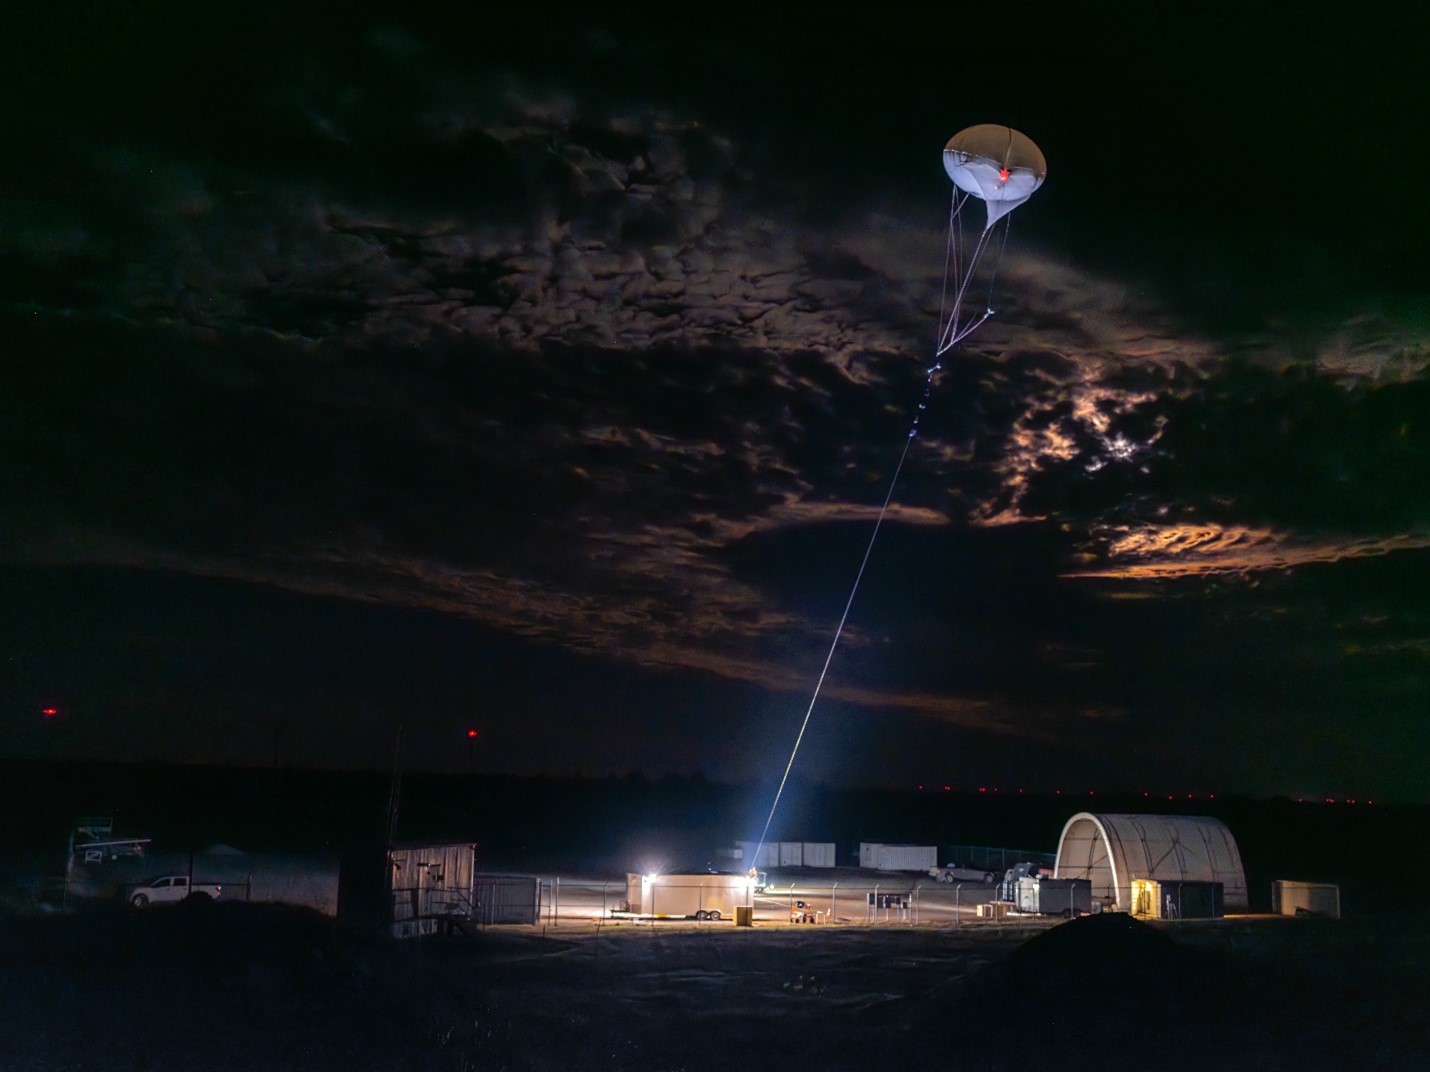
[{"x": 1305, "y": 899}]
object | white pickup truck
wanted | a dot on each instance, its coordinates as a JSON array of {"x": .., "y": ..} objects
[{"x": 171, "y": 889}]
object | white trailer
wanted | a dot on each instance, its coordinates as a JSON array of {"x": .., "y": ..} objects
[{"x": 690, "y": 896}]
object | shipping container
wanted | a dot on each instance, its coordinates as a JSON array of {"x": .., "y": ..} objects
[
  {"x": 819, "y": 854},
  {"x": 1306, "y": 899},
  {"x": 791, "y": 854},
  {"x": 768, "y": 854},
  {"x": 897, "y": 857}
]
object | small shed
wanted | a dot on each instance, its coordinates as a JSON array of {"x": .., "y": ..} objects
[
  {"x": 1306, "y": 899},
  {"x": 430, "y": 886},
  {"x": 1112, "y": 850}
]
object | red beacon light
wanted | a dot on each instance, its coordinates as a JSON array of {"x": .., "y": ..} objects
[
  {"x": 49, "y": 712},
  {"x": 471, "y": 735}
]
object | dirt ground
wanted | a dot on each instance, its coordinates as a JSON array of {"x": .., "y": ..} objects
[{"x": 254, "y": 987}]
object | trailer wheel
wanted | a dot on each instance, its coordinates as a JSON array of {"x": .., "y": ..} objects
[
  {"x": 1066, "y": 913},
  {"x": 702, "y": 916},
  {"x": 713, "y": 914},
  {"x": 945, "y": 878}
]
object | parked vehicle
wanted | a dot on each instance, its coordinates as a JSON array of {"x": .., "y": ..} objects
[
  {"x": 954, "y": 873},
  {"x": 171, "y": 889},
  {"x": 1008, "y": 889},
  {"x": 1066, "y": 897}
]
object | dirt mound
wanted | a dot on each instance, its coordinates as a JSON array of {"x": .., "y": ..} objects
[
  {"x": 1101, "y": 950},
  {"x": 1105, "y": 984}
]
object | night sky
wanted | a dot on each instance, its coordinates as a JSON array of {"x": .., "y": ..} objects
[{"x": 369, "y": 366}]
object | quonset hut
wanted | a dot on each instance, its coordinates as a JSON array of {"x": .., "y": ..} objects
[{"x": 1112, "y": 850}]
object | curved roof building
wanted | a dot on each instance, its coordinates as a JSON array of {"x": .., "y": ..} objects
[{"x": 1112, "y": 850}]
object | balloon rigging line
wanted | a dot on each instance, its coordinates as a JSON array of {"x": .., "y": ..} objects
[
  {"x": 952, "y": 258},
  {"x": 949, "y": 337},
  {"x": 951, "y": 332},
  {"x": 960, "y": 282},
  {"x": 843, "y": 618},
  {"x": 954, "y": 333}
]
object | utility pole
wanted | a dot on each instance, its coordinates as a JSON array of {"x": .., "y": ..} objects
[{"x": 394, "y": 796}]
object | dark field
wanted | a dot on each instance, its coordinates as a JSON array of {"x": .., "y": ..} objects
[
  {"x": 247, "y": 987},
  {"x": 244, "y": 987}
]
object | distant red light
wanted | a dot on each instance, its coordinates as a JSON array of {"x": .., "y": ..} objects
[
  {"x": 49, "y": 712},
  {"x": 947, "y": 788},
  {"x": 983, "y": 789},
  {"x": 471, "y": 734}
]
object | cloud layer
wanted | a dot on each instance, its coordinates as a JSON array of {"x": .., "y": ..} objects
[{"x": 605, "y": 369}]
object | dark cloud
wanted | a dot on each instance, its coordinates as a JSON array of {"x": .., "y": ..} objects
[{"x": 596, "y": 347}]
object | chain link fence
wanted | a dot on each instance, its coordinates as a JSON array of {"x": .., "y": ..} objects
[{"x": 886, "y": 900}]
